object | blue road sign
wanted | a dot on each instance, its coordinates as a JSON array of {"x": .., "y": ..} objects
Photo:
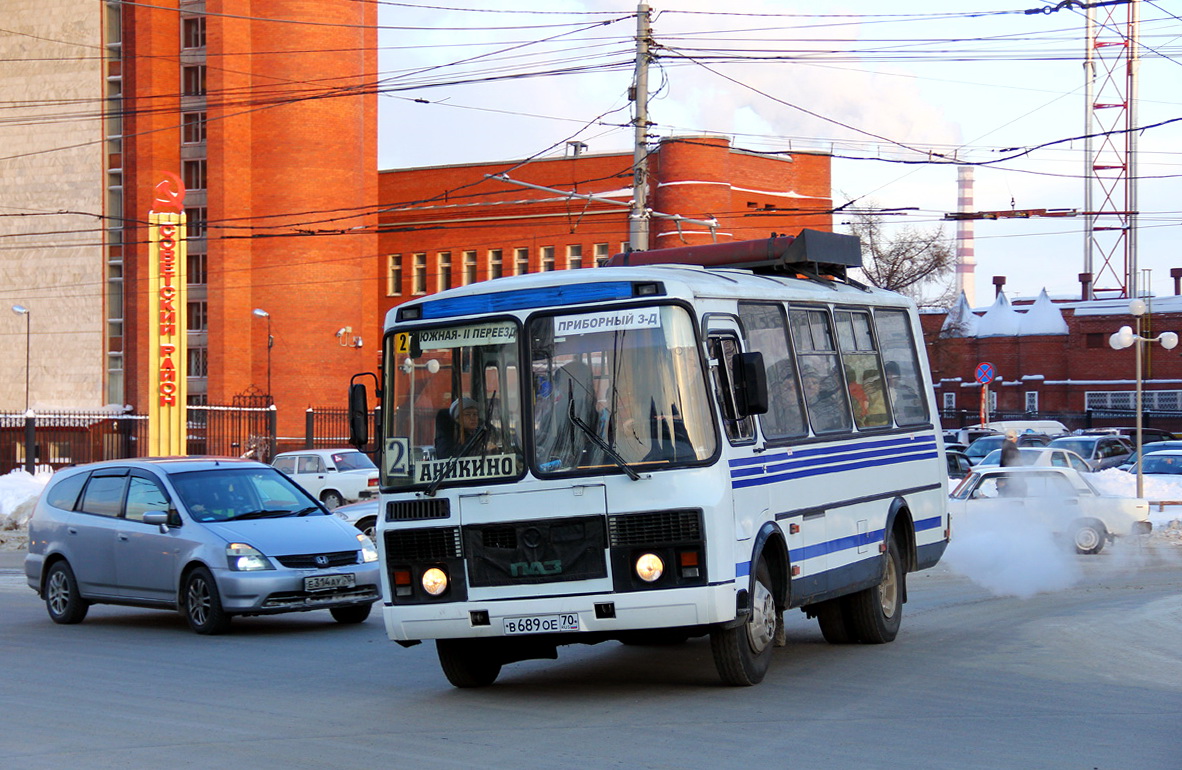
[{"x": 986, "y": 373}]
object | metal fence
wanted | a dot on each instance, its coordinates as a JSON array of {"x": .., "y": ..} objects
[{"x": 51, "y": 440}]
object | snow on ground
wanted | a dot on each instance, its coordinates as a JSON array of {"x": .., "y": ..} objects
[{"x": 18, "y": 494}]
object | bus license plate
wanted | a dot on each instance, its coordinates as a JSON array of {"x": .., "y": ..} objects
[
  {"x": 327, "y": 582},
  {"x": 542, "y": 624}
]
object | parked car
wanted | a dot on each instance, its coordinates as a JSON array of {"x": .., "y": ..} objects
[
  {"x": 958, "y": 464},
  {"x": 986, "y": 444},
  {"x": 333, "y": 476},
  {"x": 1100, "y": 452},
  {"x": 1061, "y": 499},
  {"x": 210, "y": 537},
  {"x": 362, "y": 515},
  {"x": 1167, "y": 462},
  {"x": 1129, "y": 463},
  {"x": 1043, "y": 457},
  {"x": 1148, "y": 435}
]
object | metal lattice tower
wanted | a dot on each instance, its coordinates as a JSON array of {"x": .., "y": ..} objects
[{"x": 1110, "y": 72}]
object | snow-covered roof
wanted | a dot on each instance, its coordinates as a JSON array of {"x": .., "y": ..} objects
[
  {"x": 1043, "y": 317},
  {"x": 1000, "y": 320},
  {"x": 961, "y": 321}
]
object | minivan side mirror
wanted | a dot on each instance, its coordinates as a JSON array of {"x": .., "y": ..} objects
[{"x": 159, "y": 518}]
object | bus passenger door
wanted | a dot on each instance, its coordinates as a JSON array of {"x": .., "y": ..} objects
[{"x": 749, "y": 490}]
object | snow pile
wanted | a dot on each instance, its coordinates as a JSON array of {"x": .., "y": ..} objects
[{"x": 18, "y": 495}]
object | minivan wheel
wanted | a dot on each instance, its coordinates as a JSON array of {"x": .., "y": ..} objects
[
  {"x": 62, "y": 600},
  {"x": 203, "y": 605},
  {"x": 354, "y": 613}
]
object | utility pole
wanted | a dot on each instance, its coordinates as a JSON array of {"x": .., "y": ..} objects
[{"x": 638, "y": 217}]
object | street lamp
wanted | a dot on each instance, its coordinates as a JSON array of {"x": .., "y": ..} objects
[
  {"x": 1125, "y": 338},
  {"x": 270, "y": 344},
  {"x": 22, "y": 310}
]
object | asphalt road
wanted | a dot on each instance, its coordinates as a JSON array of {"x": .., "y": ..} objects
[{"x": 1089, "y": 677}]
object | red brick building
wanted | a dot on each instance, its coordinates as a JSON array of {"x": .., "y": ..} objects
[
  {"x": 260, "y": 106},
  {"x": 445, "y": 226},
  {"x": 1070, "y": 369}
]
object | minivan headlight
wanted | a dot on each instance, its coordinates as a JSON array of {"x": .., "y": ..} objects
[
  {"x": 369, "y": 551},
  {"x": 246, "y": 558}
]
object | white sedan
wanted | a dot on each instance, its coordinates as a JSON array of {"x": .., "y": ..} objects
[
  {"x": 1041, "y": 456},
  {"x": 1060, "y": 499}
]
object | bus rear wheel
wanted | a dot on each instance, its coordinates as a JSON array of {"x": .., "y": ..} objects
[
  {"x": 875, "y": 613},
  {"x": 467, "y": 662},
  {"x": 743, "y": 653}
]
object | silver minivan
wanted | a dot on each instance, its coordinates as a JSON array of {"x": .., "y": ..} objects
[{"x": 211, "y": 537}]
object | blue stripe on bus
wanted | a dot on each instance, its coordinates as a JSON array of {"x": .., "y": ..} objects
[
  {"x": 862, "y": 446},
  {"x": 877, "y": 462},
  {"x": 804, "y": 553},
  {"x": 520, "y": 299}
]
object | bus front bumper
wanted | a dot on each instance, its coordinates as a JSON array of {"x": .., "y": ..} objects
[{"x": 584, "y": 613}]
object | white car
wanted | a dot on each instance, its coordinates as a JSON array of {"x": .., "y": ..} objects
[
  {"x": 1058, "y": 498},
  {"x": 333, "y": 476},
  {"x": 362, "y": 515},
  {"x": 1041, "y": 456}
]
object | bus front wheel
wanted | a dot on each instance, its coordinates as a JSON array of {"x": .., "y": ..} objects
[
  {"x": 742, "y": 654},
  {"x": 468, "y": 662}
]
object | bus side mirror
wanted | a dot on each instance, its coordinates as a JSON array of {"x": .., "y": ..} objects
[
  {"x": 358, "y": 415},
  {"x": 750, "y": 384}
]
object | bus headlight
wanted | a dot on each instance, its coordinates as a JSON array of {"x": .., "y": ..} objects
[
  {"x": 434, "y": 581},
  {"x": 649, "y": 567}
]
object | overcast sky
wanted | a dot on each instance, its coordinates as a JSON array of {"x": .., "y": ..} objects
[{"x": 866, "y": 81}]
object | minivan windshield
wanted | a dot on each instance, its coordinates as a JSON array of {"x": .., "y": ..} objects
[{"x": 229, "y": 494}]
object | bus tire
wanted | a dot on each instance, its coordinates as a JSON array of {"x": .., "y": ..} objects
[
  {"x": 467, "y": 662},
  {"x": 876, "y": 612},
  {"x": 833, "y": 617},
  {"x": 743, "y": 653}
]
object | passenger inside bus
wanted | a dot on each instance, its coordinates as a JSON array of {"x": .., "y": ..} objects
[
  {"x": 903, "y": 397},
  {"x": 826, "y": 410}
]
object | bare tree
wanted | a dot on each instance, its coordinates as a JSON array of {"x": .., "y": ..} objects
[{"x": 912, "y": 261}]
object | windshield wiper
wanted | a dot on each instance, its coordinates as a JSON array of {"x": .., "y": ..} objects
[
  {"x": 260, "y": 515},
  {"x": 599, "y": 442},
  {"x": 451, "y": 462}
]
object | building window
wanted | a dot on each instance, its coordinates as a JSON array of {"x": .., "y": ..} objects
[
  {"x": 193, "y": 80},
  {"x": 198, "y": 362},
  {"x": 993, "y": 400},
  {"x": 521, "y": 261},
  {"x": 197, "y": 317},
  {"x": 547, "y": 258},
  {"x": 193, "y": 32},
  {"x": 1126, "y": 400},
  {"x": 394, "y": 275},
  {"x": 193, "y": 174},
  {"x": 469, "y": 276},
  {"x": 195, "y": 269},
  {"x": 574, "y": 256},
  {"x": 601, "y": 255},
  {"x": 444, "y": 270},
  {"x": 115, "y": 378},
  {"x": 1032, "y": 401},
  {"x": 949, "y": 401},
  {"x": 496, "y": 264},
  {"x": 192, "y": 127},
  {"x": 420, "y": 274},
  {"x": 195, "y": 222}
]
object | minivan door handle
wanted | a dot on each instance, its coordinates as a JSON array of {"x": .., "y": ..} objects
[
  {"x": 72, "y": 530},
  {"x": 124, "y": 537}
]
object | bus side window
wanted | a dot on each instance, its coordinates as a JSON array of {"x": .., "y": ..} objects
[
  {"x": 723, "y": 350},
  {"x": 825, "y": 394},
  {"x": 904, "y": 384},
  {"x": 766, "y": 330},
  {"x": 863, "y": 369}
]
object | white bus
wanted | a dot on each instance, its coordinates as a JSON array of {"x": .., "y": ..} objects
[{"x": 685, "y": 445}]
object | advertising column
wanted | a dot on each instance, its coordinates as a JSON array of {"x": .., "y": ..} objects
[{"x": 167, "y": 326}]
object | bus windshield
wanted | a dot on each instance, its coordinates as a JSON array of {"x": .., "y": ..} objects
[
  {"x": 618, "y": 389},
  {"x": 454, "y": 412}
]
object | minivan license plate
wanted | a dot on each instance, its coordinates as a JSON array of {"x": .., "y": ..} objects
[
  {"x": 326, "y": 582},
  {"x": 542, "y": 624}
]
